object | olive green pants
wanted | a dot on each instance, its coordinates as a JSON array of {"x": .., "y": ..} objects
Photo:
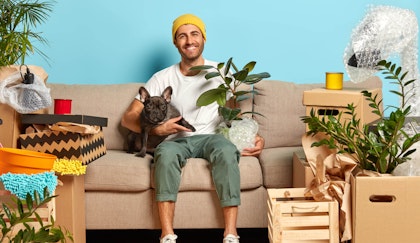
[{"x": 171, "y": 156}]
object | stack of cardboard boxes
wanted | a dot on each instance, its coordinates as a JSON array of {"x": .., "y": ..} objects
[{"x": 384, "y": 209}]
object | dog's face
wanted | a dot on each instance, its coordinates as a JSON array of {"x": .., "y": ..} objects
[{"x": 155, "y": 107}]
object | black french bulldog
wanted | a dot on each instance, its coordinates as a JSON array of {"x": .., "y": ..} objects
[{"x": 157, "y": 110}]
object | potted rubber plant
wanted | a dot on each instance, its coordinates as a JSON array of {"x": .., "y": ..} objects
[
  {"x": 228, "y": 95},
  {"x": 378, "y": 147}
]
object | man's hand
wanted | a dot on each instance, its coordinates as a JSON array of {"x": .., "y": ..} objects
[
  {"x": 255, "y": 151},
  {"x": 169, "y": 127}
]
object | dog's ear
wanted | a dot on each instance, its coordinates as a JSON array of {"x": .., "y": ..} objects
[
  {"x": 144, "y": 94},
  {"x": 167, "y": 94}
]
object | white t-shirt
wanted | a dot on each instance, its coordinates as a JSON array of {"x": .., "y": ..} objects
[{"x": 186, "y": 90}]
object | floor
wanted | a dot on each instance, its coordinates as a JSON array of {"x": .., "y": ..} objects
[{"x": 184, "y": 236}]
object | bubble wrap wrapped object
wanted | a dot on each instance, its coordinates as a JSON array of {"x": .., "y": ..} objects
[
  {"x": 24, "y": 98},
  {"x": 384, "y": 32},
  {"x": 242, "y": 133}
]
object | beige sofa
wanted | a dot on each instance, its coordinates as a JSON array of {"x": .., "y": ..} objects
[{"x": 119, "y": 186}]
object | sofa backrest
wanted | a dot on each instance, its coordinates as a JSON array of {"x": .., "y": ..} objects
[
  {"x": 104, "y": 100},
  {"x": 281, "y": 104}
]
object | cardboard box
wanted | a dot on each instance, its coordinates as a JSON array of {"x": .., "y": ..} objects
[
  {"x": 10, "y": 126},
  {"x": 385, "y": 209},
  {"x": 66, "y": 145},
  {"x": 302, "y": 172},
  {"x": 70, "y": 206},
  {"x": 331, "y": 102},
  {"x": 295, "y": 218}
]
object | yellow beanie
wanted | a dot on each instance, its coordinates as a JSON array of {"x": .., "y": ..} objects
[{"x": 188, "y": 19}]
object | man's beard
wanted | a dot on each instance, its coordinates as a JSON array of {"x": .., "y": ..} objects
[{"x": 192, "y": 57}]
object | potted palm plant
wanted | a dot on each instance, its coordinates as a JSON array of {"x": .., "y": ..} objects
[{"x": 18, "y": 18}]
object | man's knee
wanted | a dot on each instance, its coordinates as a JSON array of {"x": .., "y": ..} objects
[
  {"x": 224, "y": 147},
  {"x": 166, "y": 152}
]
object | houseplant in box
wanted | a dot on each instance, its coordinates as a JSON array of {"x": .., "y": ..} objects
[
  {"x": 380, "y": 147},
  {"x": 228, "y": 95}
]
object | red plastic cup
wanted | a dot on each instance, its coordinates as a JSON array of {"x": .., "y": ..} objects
[{"x": 62, "y": 106}]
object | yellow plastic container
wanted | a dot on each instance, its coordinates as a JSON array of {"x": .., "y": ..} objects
[
  {"x": 21, "y": 161},
  {"x": 334, "y": 80}
]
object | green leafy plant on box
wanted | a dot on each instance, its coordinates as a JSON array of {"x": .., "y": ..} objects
[
  {"x": 17, "y": 218},
  {"x": 18, "y": 18},
  {"x": 379, "y": 147},
  {"x": 228, "y": 95}
]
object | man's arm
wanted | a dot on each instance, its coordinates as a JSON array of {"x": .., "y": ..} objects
[{"x": 131, "y": 117}]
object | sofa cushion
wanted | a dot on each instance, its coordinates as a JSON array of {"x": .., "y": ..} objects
[
  {"x": 277, "y": 166},
  {"x": 118, "y": 171},
  {"x": 196, "y": 175}
]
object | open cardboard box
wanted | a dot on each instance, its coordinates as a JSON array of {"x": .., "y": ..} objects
[
  {"x": 386, "y": 209},
  {"x": 326, "y": 102}
]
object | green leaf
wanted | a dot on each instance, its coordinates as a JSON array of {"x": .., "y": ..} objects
[
  {"x": 221, "y": 99},
  {"x": 201, "y": 67},
  {"x": 241, "y": 75},
  {"x": 220, "y": 65},
  {"x": 228, "y": 64},
  {"x": 229, "y": 114},
  {"x": 212, "y": 75},
  {"x": 255, "y": 78},
  {"x": 250, "y": 66},
  {"x": 210, "y": 96}
]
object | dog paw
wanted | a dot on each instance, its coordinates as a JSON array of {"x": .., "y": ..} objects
[{"x": 141, "y": 154}]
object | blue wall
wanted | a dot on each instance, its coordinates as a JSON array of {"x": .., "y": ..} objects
[{"x": 103, "y": 41}]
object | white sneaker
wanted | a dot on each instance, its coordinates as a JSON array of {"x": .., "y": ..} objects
[
  {"x": 231, "y": 239},
  {"x": 169, "y": 238}
]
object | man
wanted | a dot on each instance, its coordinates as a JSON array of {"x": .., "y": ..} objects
[{"x": 189, "y": 37}]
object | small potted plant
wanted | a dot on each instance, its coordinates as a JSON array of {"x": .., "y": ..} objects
[
  {"x": 378, "y": 147},
  {"x": 229, "y": 94}
]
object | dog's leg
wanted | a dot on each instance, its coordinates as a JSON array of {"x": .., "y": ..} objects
[
  {"x": 143, "y": 135},
  {"x": 131, "y": 141},
  {"x": 184, "y": 123}
]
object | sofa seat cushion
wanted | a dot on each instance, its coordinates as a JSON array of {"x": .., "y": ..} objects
[
  {"x": 196, "y": 175},
  {"x": 118, "y": 170},
  {"x": 277, "y": 166}
]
